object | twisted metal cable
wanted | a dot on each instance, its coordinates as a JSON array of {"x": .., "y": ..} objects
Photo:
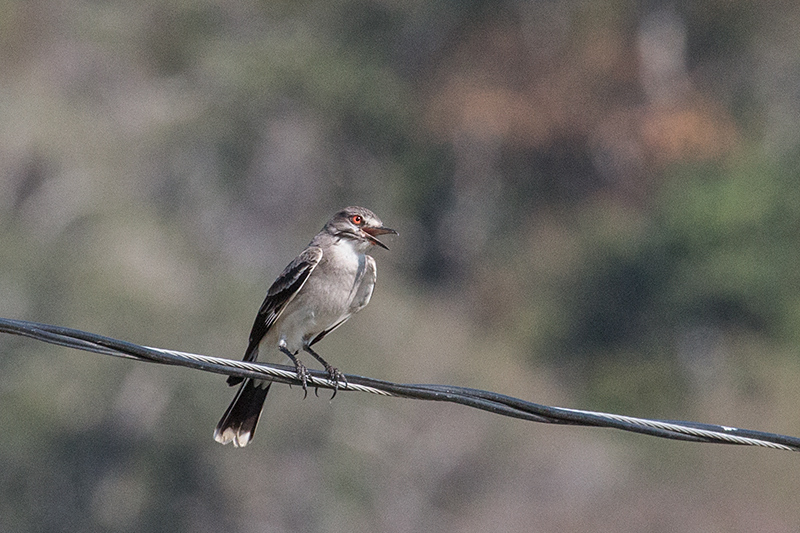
[{"x": 485, "y": 400}]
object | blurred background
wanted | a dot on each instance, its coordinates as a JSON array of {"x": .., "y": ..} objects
[{"x": 598, "y": 205}]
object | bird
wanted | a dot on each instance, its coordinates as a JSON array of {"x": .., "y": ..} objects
[{"x": 326, "y": 284}]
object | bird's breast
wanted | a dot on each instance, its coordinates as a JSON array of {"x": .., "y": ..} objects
[{"x": 326, "y": 298}]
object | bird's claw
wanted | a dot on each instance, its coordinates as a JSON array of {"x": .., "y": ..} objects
[
  {"x": 336, "y": 377},
  {"x": 302, "y": 375}
]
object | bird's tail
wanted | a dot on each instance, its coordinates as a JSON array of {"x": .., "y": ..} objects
[{"x": 238, "y": 424}]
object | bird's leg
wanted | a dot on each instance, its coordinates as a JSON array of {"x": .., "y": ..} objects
[
  {"x": 300, "y": 368},
  {"x": 333, "y": 373}
]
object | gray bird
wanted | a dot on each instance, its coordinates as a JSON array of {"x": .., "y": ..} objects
[{"x": 326, "y": 284}]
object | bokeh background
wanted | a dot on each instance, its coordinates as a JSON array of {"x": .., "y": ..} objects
[{"x": 598, "y": 205}]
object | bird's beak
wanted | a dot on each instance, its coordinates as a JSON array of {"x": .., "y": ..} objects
[{"x": 372, "y": 233}]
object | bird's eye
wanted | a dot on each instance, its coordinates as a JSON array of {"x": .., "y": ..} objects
[{"x": 357, "y": 220}]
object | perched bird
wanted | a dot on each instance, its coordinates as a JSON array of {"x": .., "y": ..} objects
[{"x": 326, "y": 284}]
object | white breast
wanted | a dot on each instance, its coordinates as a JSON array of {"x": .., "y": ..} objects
[{"x": 326, "y": 298}]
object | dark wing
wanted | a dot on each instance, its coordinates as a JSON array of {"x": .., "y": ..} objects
[{"x": 282, "y": 291}]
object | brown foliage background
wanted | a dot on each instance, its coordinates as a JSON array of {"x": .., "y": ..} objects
[{"x": 598, "y": 207}]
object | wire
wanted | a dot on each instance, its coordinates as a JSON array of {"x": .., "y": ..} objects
[{"x": 487, "y": 401}]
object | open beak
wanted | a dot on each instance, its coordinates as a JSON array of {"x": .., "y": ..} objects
[{"x": 372, "y": 233}]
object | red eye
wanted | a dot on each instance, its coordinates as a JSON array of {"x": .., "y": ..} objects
[{"x": 357, "y": 220}]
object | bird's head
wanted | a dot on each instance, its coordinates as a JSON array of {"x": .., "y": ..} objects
[{"x": 360, "y": 224}]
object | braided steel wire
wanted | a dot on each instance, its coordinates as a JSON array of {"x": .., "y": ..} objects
[{"x": 484, "y": 400}]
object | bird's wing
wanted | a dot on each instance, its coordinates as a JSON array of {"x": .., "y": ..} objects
[
  {"x": 282, "y": 291},
  {"x": 365, "y": 287},
  {"x": 363, "y": 292}
]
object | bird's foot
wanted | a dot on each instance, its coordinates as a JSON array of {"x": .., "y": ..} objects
[
  {"x": 336, "y": 377},
  {"x": 302, "y": 375}
]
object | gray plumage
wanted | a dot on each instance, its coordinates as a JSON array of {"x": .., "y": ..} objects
[{"x": 332, "y": 279}]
